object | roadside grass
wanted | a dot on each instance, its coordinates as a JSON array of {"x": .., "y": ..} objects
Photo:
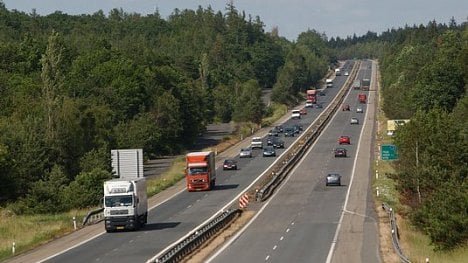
[
  {"x": 29, "y": 231},
  {"x": 415, "y": 244}
]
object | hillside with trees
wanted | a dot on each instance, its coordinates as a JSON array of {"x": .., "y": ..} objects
[
  {"x": 74, "y": 87},
  {"x": 424, "y": 78}
]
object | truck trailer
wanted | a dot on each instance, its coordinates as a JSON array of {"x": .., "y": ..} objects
[
  {"x": 311, "y": 96},
  {"x": 362, "y": 98},
  {"x": 365, "y": 84},
  {"x": 125, "y": 204},
  {"x": 200, "y": 171}
]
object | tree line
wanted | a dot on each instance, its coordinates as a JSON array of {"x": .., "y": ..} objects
[
  {"x": 424, "y": 78},
  {"x": 74, "y": 87}
]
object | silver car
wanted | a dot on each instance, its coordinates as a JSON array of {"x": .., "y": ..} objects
[
  {"x": 354, "y": 121},
  {"x": 359, "y": 110},
  {"x": 245, "y": 153},
  {"x": 333, "y": 179}
]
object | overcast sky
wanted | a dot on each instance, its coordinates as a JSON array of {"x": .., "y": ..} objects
[{"x": 334, "y": 17}]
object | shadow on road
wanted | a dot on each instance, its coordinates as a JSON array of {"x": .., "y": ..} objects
[
  {"x": 225, "y": 187},
  {"x": 159, "y": 226}
]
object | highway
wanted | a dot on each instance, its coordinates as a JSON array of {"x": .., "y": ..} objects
[
  {"x": 176, "y": 217},
  {"x": 299, "y": 223}
]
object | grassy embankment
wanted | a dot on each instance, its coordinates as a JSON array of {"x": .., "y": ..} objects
[
  {"x": 415, "y": 244},
  {"x": 30, "y": 231}
]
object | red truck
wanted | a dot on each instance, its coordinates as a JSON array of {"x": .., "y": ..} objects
[
  {"x": 200, "y": 171},
  {"x": 362, "y": 98},
  {"x": 312, "y": 96}
]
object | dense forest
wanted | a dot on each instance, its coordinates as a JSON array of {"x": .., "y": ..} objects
[
  {"x": 424, "y": 78},
  {"x": 74, "y": 87}
]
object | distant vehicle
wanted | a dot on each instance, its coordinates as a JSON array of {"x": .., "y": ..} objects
[
  {"x": 229, "y": 165},
  {"x": 344, "y": 140},
  {"x": 312, "y": 96},
  {"x": 279, "y": 128},
  {"x": 337, "y": 72},
  {"x": 365, "y": 84},
  {"x": 256, "y": 143},
  {"x": 359, "y": 109},
  {"x": 278, "y": 143},
  {"x": 289, "y": 132},
  {"x": 346, "y": 107},
  {"x": 340, "y": 152},
  {"x": 245, "y": 153},
  {"x": 357, "y": 84},
  {"x": 295, "y": 114},
  {"x": 362, "y": 98},
  {"x": 270, "y": 140},
  {"x": 309, "y": 104},
  {"x": 346, "y": 73},
  {"x": 354, "y": 121},
  {"x": 333, "y": 179},
  {"x": 273, "y": 132},
  {"x": 322, "y": 93},
  {"x": 297, "y": 128},
  {"x": 303, "y": 111},
  {"x": 329, "y": 83},
  {"x": 318, "y": 106},
  {"x": 269, "y": 151},
  {"x": 200, "y": 171}
]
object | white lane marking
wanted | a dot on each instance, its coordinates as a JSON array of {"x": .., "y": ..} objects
[
  {"x": 287, "y": 230},
  {"x": 335, "y": 237},
  {"x": 292, "y": 223},
  {"x": 281, "y": 238},
  {"x": 189, "y": 206},
  {"x": 267, "y": 257},
  {"x": 275, "y": 247}
]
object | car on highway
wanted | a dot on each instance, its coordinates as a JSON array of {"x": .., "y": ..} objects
[
  {"x": 340, "y": 152},
  {"x": 295, "y": 114},
  {"x": 269, "y": 141},
  {"x": 309, "y": 104},
  {"x": 289, "y": 132},
  {"x": 245, "y": 153},
  {"x": 278, "y": 143},
  {"x": 297, "y": 128},
  {"x": 354, "y": 121},
  {"x": 318, "y": 106},
  {"x": 359, "y": 109},
  {"x": 279, "y": 128},
  {"x": 333, "y": 179},
  {"x": 273, "y": 132},
  {"x": 229, "y": 164},
  {"x": 346, "y": 107},
  {"x": 346, "y": 73},
  {"x": 344, "y": 140},
  {"x": 269, "y": 151},
  {"x": 303, "y": 111}
]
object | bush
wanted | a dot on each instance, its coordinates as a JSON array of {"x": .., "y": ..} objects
[{"x": 86, "y": 190}]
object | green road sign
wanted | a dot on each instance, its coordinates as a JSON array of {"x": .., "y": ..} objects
[{"x": 388, "y": 152}]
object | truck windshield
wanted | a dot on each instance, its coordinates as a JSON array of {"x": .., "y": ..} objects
[
  {"x": 118, "y": 200},
  {"x": 197, "y": 170}
]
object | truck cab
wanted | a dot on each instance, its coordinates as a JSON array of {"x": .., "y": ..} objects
[{"x": 200, "y": 171}]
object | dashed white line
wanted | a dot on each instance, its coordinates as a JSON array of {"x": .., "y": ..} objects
[
  {"x": 267, "y": 257},
  {"x": 287, "y": 230},
  {"x": 281, "y": 238},
  {"x": 275, "y": 247}
]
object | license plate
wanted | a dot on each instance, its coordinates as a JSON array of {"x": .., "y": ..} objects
[{"x": 120, "y": 227}]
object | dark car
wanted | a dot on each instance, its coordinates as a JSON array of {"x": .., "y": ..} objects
[
  {"x": 278, "y": 143},
  {"x": 318, "y": 106},
  {"x": 289, "y": 132},
  {"x": 229, "y": 165},
  {"x": 279, "y": 128},
  {"x": 333, "y": 179},
  {"x": 245, "y": 153},
  {"x": 270, "y": 140},
  {"x": 273, "y": 132},
  {"x": 344, "y": 140},
  {"x": 346, "y": 107},
  {"x": 340, "y": 152},
  {"x": 297, "y": 128},
  {"x": 269, "y": 151}
]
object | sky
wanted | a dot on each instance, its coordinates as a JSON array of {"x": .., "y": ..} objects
[{"x": 333, "y": 17}]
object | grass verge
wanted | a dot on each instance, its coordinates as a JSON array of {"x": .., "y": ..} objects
[{"x": 415, "y": 244}]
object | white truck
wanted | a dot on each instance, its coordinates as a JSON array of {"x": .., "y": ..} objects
[
  {"x": 256, "y": 143},
  {"x": 125, "y": 204},
  {"x": 337, "y": 72},
  {"x": 295, "y": 114},
  {"x": 329, "y": 83}
]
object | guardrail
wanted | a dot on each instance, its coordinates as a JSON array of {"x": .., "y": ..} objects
[
  {"x": 94, "y": 216},
  {"x": 273, "y": 178},
  {"x": 395, "y": 234},
  {"x": 197, "y": 238}
]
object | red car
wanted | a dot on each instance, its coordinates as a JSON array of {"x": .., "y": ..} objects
[
  {"x": 344, "y": 140},
  {"x": 303, "y": 112}
]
